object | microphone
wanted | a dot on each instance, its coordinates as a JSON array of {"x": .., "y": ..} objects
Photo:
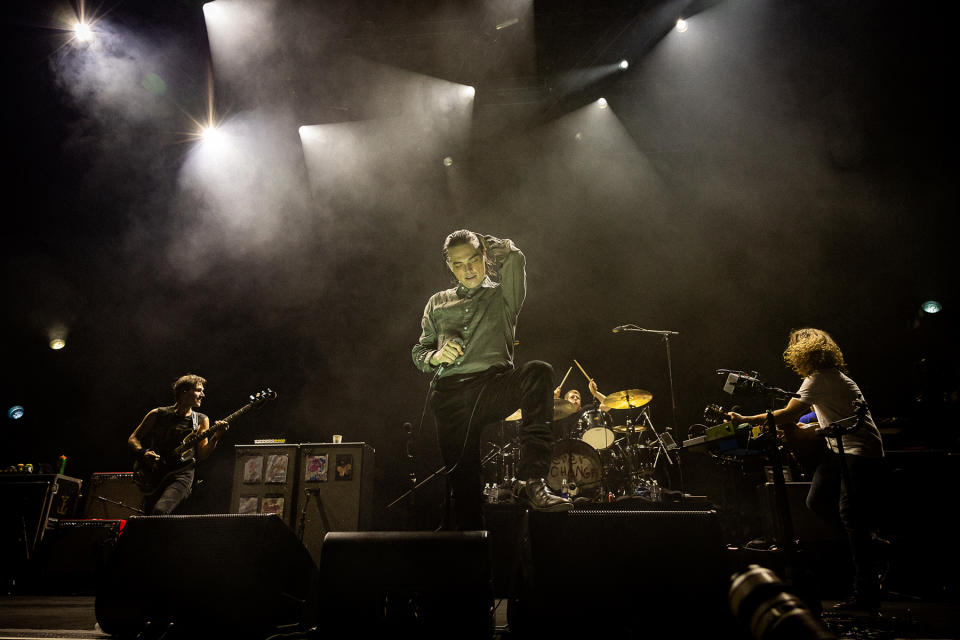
[
  {"x": 443, "y": 366},
  {"x": 619, "y": 328}
]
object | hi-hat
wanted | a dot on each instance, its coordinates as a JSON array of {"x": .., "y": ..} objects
[
  {"x": 627, "y": 428},
  {"x": 561, "y": 409},
  {"x": 629, "y": 399}
]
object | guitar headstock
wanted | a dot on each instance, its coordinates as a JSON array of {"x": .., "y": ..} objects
[{"x": 261, "y": 398}]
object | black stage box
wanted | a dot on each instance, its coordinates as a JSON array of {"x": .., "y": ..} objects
[
  {"x": 112, "y": 495},
  {"x": 334, "y": 491},
  {"x": 625, "y": 572},
  {"x": 73, "y": 554},
  {"x": 408, "y": 584},
  {"x": 211, "y": 576}
]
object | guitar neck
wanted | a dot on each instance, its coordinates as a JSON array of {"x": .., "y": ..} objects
[
  {"x": 255, "y": 402},
  {"x": 239, "y": 412}
]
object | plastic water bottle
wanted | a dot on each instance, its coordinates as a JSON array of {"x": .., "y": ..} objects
[
  {"x": 486, "y": 492},
  {"x": 564, "y": 490},
  {"x": 494, "y": 493}
]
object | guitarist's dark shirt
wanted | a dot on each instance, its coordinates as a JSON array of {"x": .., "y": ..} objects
[{"x": 170, "y": 429}]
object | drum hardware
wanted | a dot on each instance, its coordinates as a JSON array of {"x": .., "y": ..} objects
[{"x": 561, "y": 409}]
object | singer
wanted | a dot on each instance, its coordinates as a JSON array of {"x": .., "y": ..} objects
[{"x": 467, "y": 341}]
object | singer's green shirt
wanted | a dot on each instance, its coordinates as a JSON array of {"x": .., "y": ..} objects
[{"x": 484, "y": 317}]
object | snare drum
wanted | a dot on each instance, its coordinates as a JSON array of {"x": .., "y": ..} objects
[
  {"x": 596, "y": 429},
  {"x": 578, "y": 463}
]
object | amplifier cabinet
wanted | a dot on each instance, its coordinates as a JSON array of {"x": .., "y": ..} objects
[
  {"x": 32, "y": 504},
  {"x": 335, "y": 491},
  {"x": 112, "y": 495},
  {"x": 264, "y": 480}
]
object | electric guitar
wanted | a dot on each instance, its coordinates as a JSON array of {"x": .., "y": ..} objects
[{"x": 151, "y": 476}]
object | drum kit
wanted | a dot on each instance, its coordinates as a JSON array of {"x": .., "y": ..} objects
[{"x": 602, "y": 455}]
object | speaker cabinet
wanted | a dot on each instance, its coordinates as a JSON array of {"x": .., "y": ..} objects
[
  {"x": 407, "y": 584},
  {"x": 72, "y": 555},
  {"x": 335, "y": 491},
  {"x": 264, "y": 480},
  {"x": 112, "y": 496},
  {"x": 216, "y": 576},
  {"x": 624, "y": 572}
]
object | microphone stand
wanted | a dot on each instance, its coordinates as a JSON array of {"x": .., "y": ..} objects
[
  {"x": 665, "y": 334},
  {"x": 775, "y": 396}
]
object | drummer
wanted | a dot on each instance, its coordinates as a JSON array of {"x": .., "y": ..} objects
[{"x": 566, "y": 427}]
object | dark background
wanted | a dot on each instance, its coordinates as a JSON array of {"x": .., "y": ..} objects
[{"x": 778, "y": 165}]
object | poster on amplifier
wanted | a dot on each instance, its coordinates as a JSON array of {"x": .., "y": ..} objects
[
  {"x": 248, "y": 504},
  {"x": 252, "y": 469},
  {"x": 344, "y": 466},
  {"x": 272, "y": 505},
  {"x": 316, "y": 470},
  {"x": 276, "y": 469}
]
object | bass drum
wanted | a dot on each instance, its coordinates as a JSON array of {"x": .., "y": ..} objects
[
  {"x": 596, "y": 429},
  {"x": 579, "y": 464}
]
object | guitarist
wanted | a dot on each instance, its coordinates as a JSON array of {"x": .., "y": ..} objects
[
  {"x": 814, "y": 355},
  {"x": 163, "y": 429}
]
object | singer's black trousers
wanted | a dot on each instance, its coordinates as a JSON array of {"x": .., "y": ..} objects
[{"x": 463, "y": 404}]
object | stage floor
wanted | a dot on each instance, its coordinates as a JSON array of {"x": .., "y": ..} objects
[{"x": 72, "y": 618}]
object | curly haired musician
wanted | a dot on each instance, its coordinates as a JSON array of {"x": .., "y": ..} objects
[
  {"x": 814, "y": 355},
  {"x": 467, "y": 341},
  {"x": 162, "y": 430}
]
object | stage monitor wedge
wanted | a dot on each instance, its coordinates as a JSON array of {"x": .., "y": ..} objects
[{"x": 214, "y": 576}]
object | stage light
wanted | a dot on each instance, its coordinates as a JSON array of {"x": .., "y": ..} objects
[
  {"x": 57, "y": 343},
  {"x": 931, "y": 307},
  {"x": 624, "y": 64},
  {"x": 15, "y": 412},
  {"x": 211, "y": 133},
  {"x": 82, "y": 31},
  {"x": 602, "y": 103},
  {"x": 682, "y": 25},
  {"x": 448, "y": 161}
]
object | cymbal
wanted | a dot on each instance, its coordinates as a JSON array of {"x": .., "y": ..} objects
[
  {"x": 628, "y": 399},
  {"x": 561, "y": 409},
  {"x": 622, "y": 428}
]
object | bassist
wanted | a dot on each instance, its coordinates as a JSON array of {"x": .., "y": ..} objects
[{"x": 162, "y": 430}]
